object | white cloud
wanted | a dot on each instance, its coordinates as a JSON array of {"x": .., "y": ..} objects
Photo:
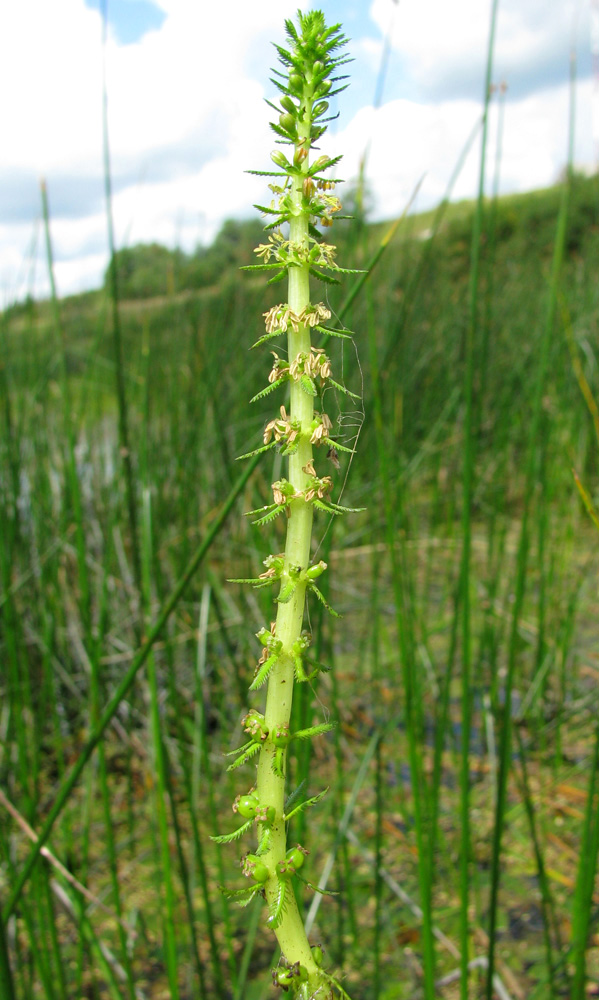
[
  {"x": 179, "y": 100},
  {"x": 50, "y": 65},
  {"x": 444, "y": 44},
  {"x": 186, "y": 117},
  {"x": 407, "y": 140}
]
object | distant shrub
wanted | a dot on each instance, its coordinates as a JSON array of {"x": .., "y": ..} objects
[{"x": 145, "y": 270}]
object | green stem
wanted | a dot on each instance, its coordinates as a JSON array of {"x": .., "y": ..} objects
[
  {"x": 301, "y": 201},
  {"x": 6, "y": 980},
  {"x": 271, "y": 784}
]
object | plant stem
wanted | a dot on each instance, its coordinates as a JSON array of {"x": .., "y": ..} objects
[
  {"x": 303, "y": 204},
  {"x": 270, "y": 784}
]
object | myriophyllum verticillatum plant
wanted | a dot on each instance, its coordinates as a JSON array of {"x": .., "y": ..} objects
[{"x": 303, "y": 200}]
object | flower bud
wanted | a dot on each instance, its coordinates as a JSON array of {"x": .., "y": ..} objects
[
  {"x": 320, "y": 108},
  {"x": 289, "y": 105},
  {"x": 279, "y": 159},
  {"x": 313, "y": 572},
  {"x": 320, "y": 164},
  {"x": 264, "y": 635},
  {"x": 287, "y": 122},
  {"x": 300, "y": 155}
]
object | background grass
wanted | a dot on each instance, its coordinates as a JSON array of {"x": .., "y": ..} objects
[{"x": 74, "y": 615}]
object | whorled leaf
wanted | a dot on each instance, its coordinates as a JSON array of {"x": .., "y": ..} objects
[
  {"x": 278, "y": 909},
  {"x": 229, "y": 838},
  {"x": 342, "y": 334},
  {"x": 307, "y": 734},
  {"x": 342, "y": 389},
  {"x": 306, "y": 804},
  {"x": 269, "y": 388},
  {"x": 318, "y": 593},
  {"x": 243, "y": 758},
  {"x": 262, "y": 675}
]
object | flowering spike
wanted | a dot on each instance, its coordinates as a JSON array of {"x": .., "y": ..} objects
[{"x": 303, "y": 200}]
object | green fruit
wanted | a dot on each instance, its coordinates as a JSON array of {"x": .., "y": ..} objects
[
  {"x": 247, "y": 805},
  {"x": 283, "y": 978},
  {"x": 253, "y": 867},
  {"x": 253, "y": 723},
  {"x": 266, "y": 815},
  {"x": 286, "y": 869},
  {"x": 317, "y": 954},
  {"x": 260, "y": 872},
  {"x": 280, "y": 736},
  {"x": 296, "y": 857}
]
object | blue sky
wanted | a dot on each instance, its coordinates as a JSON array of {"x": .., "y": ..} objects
[
  {"x": 130, "y": 19},
  {"x": 186, "y": 82}
]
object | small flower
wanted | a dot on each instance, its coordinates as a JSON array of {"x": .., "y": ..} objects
[
  {"x": 317, "y": 364},
  {"x": 274, "y": 566},
  {"x": 253, "y": 723},
  {"x": 298, "y": 365},
  {"x": 278, "y": 495},
  {"x": 322, "y": 429},
  {"x": 318, "y": 487},
  {"x": 323, "y": 254},
  {"x": 313, "y": 315},
  {"x": 263, "y": 657},
  {"x": 279, "y": 369},
  {"x": 325, "y": 486},
  {"x": 294, "y": 321},
  {"x": 276, "y": 318},
  {"x": 282, "y": 428},
  {"x": 264, "y": 250}
]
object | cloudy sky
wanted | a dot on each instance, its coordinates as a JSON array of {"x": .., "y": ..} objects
[{"x": 186, "y": 79}]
